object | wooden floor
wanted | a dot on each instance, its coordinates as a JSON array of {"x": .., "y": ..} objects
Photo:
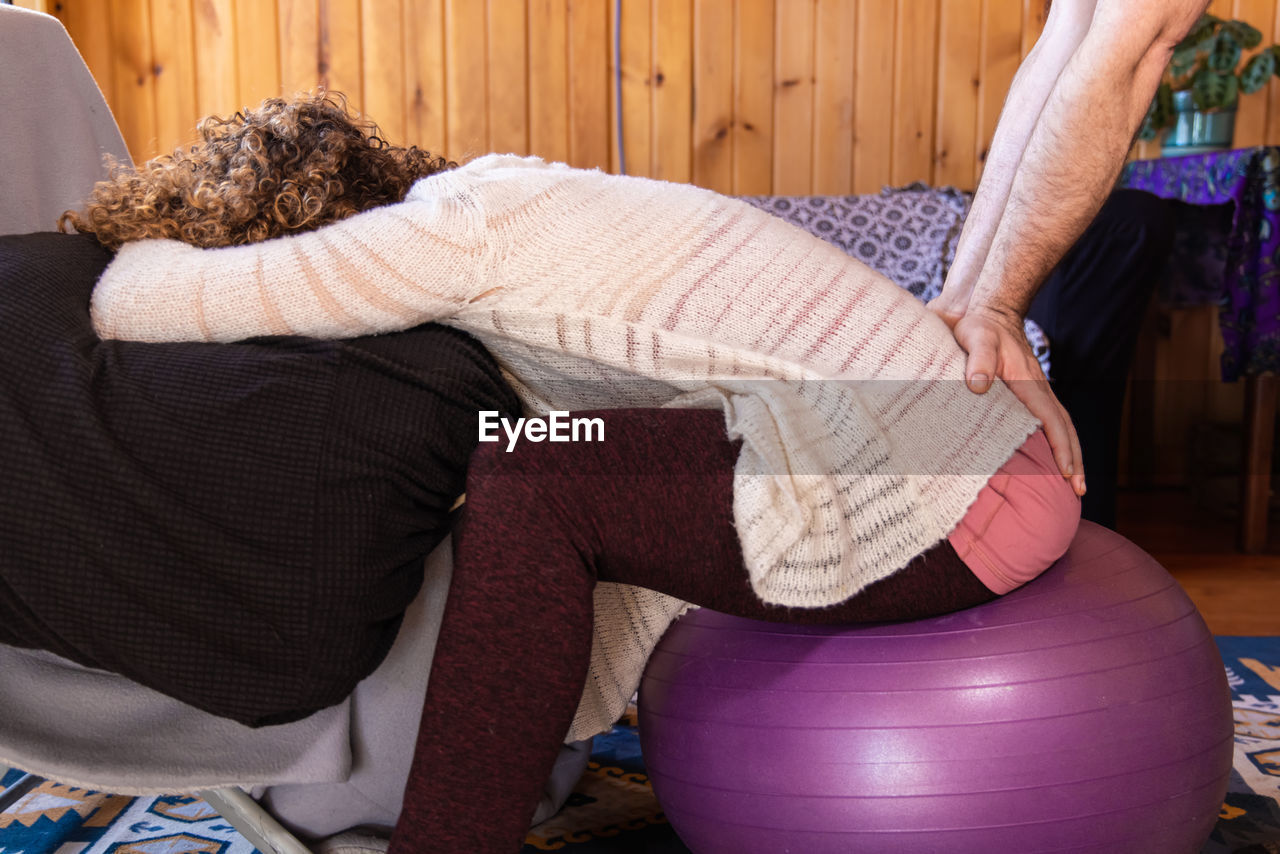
[{"x": 1237, "y": 594}]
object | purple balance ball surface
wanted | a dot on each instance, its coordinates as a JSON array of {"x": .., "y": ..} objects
[{"x": 1085, "y": 712}]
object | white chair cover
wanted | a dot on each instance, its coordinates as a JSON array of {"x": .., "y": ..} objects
[{"x": 55, "y": 126}]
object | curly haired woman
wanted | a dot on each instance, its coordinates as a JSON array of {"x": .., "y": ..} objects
[
  {"x": 286, "y": 167},
  {"x": 791, "y": 440}
]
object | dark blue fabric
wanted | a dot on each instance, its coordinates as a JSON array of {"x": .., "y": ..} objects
[{"x": 1091, "y": 307}]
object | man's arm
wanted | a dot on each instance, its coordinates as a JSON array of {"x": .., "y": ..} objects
[
  {"x": 1070, "y": 123},
  {"x": 1064, "y": 30}
]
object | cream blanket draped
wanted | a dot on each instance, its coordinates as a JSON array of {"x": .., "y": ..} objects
[{"x": 861, "y": 446}]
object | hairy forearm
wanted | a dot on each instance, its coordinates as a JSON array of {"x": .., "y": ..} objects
[
  {"x": 1050, "y": 172},
  {"x": 1075, "y": 151},
  {"x": 1064, "y": 30}
]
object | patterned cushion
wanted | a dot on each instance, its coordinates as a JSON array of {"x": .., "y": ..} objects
[{"x": 909, "y": 234}]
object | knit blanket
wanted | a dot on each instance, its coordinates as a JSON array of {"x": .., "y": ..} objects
[
  {"x": 861, "y": 447},
  {"x": 907, "y": 233}
]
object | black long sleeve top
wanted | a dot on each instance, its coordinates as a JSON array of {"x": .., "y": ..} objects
[{"x": 238, "y": 526}]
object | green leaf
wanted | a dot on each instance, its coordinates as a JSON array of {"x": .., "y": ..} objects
[
  {"x": 1204, "y": 29},
  {"x": 1257, "y": 72},
  {"x": 1212, "y": 90},
  {"x": 1159, "y": 114},
  {"x": 1247, "y": 35},
  {"x": 1164, "y": 101},
  {"x": 1233, "y": 91},
  {"x": 1148, "y": 130},
  {"x": 1225, "y": 53},
  {"x": 1183, "y": 61}
]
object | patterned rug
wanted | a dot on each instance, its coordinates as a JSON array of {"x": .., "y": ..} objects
[
  {"x": 66, "y": 820},
  {"x": 613, "y": 810},
  {"x": 1250, "y": 819}
]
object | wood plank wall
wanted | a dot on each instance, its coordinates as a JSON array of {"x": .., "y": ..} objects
[{"x": 743, "y": 96}]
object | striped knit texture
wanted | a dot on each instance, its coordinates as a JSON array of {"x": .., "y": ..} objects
[{"x": 861, "y": 445}]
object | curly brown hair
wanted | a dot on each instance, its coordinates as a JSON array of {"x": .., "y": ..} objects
[{"x": 289, "y": 165}]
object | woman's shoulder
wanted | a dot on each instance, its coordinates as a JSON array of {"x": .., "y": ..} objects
[
  {"x": 490, "y": 166},
  {"x": 492, "y": 171},
  {"x": 516, "y": 162},
  {"x": 500, "y": 184}
]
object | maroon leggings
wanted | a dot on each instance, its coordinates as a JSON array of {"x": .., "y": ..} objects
[{"x": 651, "y": 506}]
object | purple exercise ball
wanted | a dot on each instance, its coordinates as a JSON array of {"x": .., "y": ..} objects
[{"x": 1085, "y": 712}]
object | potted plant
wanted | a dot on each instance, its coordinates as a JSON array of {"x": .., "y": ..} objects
[{"x": 1197, "y": 98}]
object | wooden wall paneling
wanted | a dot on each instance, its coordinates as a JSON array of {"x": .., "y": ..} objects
[
  {"x": 753, "y": 36},
  {"x": 299, "y": 51},
  {"x": 88, "y": 24},
  {"x": 1272, "y": 95},
  {"x": 218, "y": 81},
  {"x": 549, "y": 79},
  {"x": 1221, "y": 8},
  {"x": 873, "y": 88},
  {"x": 589, "y": 47},
  {"x": 382, "y": 96},
  {"x": 636, "y": 48},
  {"x": 1001, "y": 54},
  {"x": 914, "y": 78},
  {"x": 257, "y": 51},
  {"x": 133, "y": 99},
  {"x": 465, "y": 69},
  {"x": 173, "y": 41},
  {"x": 834, "y": 46},
  {"x": 508, "y": 81},
  {"x": 340, "y": 64},
  {"x": 614, "y": 71},
  {"x": 424, "y": 72},
  {"x": 1251, "y": 116},
  {"x": 672, "y": 103},
  {"x": 956, "y": 134},
  {"x": 1033, "y": 16},
  {"x": 783, "y": 87},
  {"x": 793, "y": 130},
  {"x": 1145, "y": 150},
  {"x": 713, "y": 73},
  {"x": 34, "y": 5}
]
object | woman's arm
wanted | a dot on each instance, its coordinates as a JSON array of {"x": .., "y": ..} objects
[{"x": 386, "y": 269}]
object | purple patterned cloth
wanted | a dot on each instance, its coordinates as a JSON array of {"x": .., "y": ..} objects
[
  {"x": 907, "y": 233},
  {"x": 1247, "y": 291}
]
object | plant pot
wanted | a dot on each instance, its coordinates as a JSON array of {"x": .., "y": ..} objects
[{"x": 1196, "y": 131}]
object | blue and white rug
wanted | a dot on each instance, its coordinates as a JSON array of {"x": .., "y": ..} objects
[
  {"x": 1250, "y": 819},
  {"x": 60, "y": 819}
]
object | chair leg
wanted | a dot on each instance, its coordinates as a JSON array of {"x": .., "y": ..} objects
[
  {"x": 1260, "y": 422},
  {"x": 254, "y": 823}
]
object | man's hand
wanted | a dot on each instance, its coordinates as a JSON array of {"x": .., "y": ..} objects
[{"x": 997, "y": 347}]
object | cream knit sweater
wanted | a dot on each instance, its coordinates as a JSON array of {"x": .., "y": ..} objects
[{"x": 861, "y": 445}]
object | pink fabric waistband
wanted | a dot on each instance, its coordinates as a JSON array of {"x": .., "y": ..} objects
[{"x": 1022, "y": 520}]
